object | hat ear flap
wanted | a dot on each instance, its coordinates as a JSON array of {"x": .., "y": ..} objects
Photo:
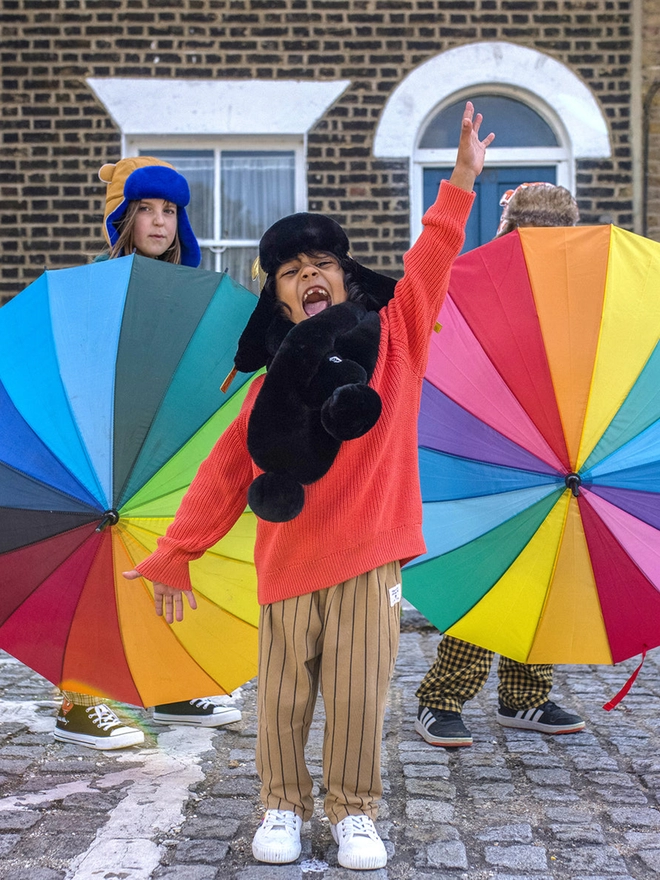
[
  {"x": 252, "y": 353},
  {"x": 191, "y": 254}
]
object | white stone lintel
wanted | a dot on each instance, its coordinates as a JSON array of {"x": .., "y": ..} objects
[{"x": 215, "y": 107}]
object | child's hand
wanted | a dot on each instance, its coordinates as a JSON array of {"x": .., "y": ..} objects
[
  {"x": 169, "y": 595},
  {"x": 471, "y": 151}
]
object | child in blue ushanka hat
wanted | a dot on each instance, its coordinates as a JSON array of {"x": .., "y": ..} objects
[{"x": 144, "y": 214}]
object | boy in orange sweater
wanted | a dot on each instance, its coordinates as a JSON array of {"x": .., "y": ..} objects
[{"x": 329, "y": 578}]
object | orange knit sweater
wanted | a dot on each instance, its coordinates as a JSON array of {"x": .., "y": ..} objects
[{"x": 367, "y": 509}]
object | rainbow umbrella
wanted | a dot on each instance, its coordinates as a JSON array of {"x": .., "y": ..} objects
[
  {"x": 539, "y": 450},
  {"x": 109, "y": 400}
]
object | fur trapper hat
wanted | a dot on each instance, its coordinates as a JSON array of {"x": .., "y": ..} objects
[
  {"x": 302, "y": 233},
  {"x": 537, "y": 204},
  {"x": 144, "y": 177}
]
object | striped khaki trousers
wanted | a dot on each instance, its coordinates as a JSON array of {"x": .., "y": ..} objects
[
  {"x": 343, "y": 640},
  {"x": 461, "y": 669}
]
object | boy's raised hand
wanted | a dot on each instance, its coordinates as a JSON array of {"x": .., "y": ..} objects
[
  {"x": 471, "y": 150},
  {"x": 170, "y": 597}
]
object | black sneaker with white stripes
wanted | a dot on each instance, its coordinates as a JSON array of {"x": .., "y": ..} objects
[
  {"x": 441, "y": 727},
  {"x": 548, "y": 718}
]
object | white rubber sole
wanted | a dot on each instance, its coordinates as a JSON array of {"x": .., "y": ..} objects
[
  {"x": 524, "y": 724},
  {"x": 447, "y": 742},
  {"x": 101, "y": 743},
  {"x": 217, "y": 720}
]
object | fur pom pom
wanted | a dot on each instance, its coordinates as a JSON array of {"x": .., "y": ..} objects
[{"x": 276, "y": 497}]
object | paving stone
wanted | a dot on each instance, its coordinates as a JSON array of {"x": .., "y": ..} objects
[
  {"x": 31, "y": 873},
  {"x": 15, "y": 766},
  {"x": 447, "y": 854},
  {"x": 591, "y": 833},
  {"x": 221, "y": 829},
  {"x": 618, "y": 779},
  {"x": 519, "y": 857},
  {"x": 187, "y": 872},
  {"x": 429, "y": 811},
  {"x": 594, "y": 762},
  {"x": 521, "y": 833},
  {"x": 494, "y": 792},
  {"x": 643, "y": 839},
  {"x": 238, "y": 785},
  {"x": 421, "y": 771},
  {"x": 431, "y": 788},
  {"x": 491, "y": 774},
  {"x": 551, "y": 794},
  {"x": 15, "y": 820},
  {"x": 207, "y": 851},
  {"x": 625, "y": 816},
  {"x": 651, "y": 858},
  {"x": 549, "y": 777},
  {"x": 593, "y": 858},
  {"x": 8, "y": 842},
  {"x": 219, "y": 806}
]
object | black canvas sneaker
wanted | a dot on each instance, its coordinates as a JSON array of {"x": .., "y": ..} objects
[
  {"x": 548, "y": 718},
  {"x": 441, "y": 727},
  {"x": 96, "y": 727},
  {"x": 201, "y": 713}
]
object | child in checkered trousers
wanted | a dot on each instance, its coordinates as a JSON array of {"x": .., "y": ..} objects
[
  {"x": 329, "y": 576},
  {"x": 461, "y": 669}
]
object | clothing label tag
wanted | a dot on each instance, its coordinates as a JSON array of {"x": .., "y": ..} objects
[{"x": 395, "y": 594}]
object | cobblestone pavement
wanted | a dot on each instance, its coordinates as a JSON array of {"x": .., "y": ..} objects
[{"x": 515, "y": 806}]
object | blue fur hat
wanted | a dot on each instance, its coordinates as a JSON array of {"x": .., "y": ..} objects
[{"x": 144, "y": 177}]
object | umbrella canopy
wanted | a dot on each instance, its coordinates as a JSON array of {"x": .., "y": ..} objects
[
  {"x": 539, "y": 450},
  {"x": 109, "y": 400}
]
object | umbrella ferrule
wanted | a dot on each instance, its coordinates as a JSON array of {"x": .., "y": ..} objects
[
  {"x": 573, "y": 482},
  {"x": 110, "y": 518}
]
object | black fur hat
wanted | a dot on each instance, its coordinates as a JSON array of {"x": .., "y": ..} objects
[{"x": 301, "y": 233}]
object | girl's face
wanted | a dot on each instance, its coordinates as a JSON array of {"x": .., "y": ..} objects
[
  {"x": 308, "y": 284},
  {"x": 154, "y": 227}
]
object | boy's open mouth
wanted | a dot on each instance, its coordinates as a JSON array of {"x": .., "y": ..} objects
[{"x": 315, "y": 300}]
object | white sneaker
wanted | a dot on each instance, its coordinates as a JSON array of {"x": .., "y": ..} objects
[
  {"x": 360, "y": 847},
  {"x": 277, "y": 840}
]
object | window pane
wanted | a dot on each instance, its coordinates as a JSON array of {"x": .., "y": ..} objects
[
  {"x": 238, "y": 263},
  {"x": 257, "y": 189},
  {"x": 197, "y": 167},
  {"x": 514, "y": 123}
]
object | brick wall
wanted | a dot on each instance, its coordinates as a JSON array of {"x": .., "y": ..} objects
[{"x": 55, "y": 135}]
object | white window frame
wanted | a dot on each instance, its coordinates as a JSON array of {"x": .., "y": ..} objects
[
  {"x": 560, "y": 157},
  {"x": 218, "y": 245}
]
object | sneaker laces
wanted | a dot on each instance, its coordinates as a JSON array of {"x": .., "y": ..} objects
[
  {"x": 359, "y": 826},
  {"x": 203, "y": 702},
  {"x": 103, "y": 717},
  {"x": 285, "y": 819}
]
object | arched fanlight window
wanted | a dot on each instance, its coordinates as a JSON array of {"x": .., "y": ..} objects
[
  {"x": 530, "y": 145},
  {"x": 522, "y": 125}
]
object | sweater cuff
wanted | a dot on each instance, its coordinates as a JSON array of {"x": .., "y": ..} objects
[
  {"x": 171, "y": 572},
  {"x": 450, "y": 200}
]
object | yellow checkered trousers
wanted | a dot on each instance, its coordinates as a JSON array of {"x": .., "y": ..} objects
[{"x": 461, "y": 669}]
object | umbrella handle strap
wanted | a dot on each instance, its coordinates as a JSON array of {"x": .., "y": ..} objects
[{"x": 624, "y": 690}]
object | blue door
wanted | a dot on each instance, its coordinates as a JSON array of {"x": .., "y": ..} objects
[{"x": 490, "y": 186}]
